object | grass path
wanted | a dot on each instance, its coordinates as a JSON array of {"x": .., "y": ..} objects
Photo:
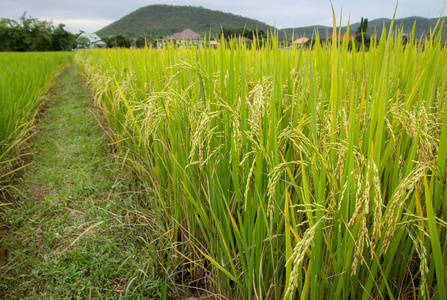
[{"x": 77, "y": 231}]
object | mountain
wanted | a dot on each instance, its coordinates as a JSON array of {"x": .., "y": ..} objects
[
  {"x": 163, "y": 20},
  {"x": 423, "y": 26}
]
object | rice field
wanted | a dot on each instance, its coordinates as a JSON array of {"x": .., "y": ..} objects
[
  {"x": 24, "y": 80},
  {"x": 306, "y": 174}
]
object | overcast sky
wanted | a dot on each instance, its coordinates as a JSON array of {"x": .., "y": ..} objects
[{"x": 92, "y": 15}]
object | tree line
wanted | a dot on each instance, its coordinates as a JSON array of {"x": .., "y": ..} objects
[
  {"x": 362, "y": 38},
  {"x": 229, "y": 32},
  {"x": 32, "y": 34},
  {"x": 128, "y": 41}
]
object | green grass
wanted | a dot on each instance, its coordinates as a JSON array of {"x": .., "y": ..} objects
[
  {"x": 78, "y": 230},
  {"x": 24, "y": 79},
  {"x": 284, "y": 174}
]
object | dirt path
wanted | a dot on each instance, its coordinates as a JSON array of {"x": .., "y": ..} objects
[{"x": 77, "y": 231}]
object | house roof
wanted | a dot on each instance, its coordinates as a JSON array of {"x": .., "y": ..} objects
[
  {"x": 342, "y": 36},
  {"x": 186, "y": 34},
  {"x": 93, "y": 37},
  {"x": 301, "y": 40}
]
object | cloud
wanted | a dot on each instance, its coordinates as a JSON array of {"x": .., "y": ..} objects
[{"x": 86, "y": 25}]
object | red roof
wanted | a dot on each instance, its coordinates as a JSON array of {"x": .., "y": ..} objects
[
  {"x": 186, "y": 34},
  {"x": 342, "y": 36},
  {"x": 301, "y": 40}
]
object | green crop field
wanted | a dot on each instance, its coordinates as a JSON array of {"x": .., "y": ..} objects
[
  {"x": 24, "y": 80},
  {"x": 289, "y": 174}
]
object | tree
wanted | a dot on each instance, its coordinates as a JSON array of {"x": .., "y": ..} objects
[
  {"x": 8, "y": 34},
  {"x": 40, "y": 35},
  {"x": 83, "y": 42},
  {"x": 363, "y": 28},
  {"x": 233, "y": 33},
  {"x": 31, "y": 34},
  {"x": 361, "y": 35},
  {"x": 140, "y": 42},
  {"x": 230, "y": 33},
  {"x": 118, "y": 41},
  {"x": 62, "y": 40}
]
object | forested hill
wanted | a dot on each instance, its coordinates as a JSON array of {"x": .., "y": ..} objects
[
  {"x": 423, "y": 26},
  {"x": 163, "y": 20}
]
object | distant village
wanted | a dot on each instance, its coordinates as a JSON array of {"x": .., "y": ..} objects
[
  {"x": 182, "y": 39},
  {"x": 190, "y": 38}
]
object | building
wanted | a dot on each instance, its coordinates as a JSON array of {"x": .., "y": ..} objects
[
  {"x": 214, "y": 44},
  {"x": 186, "y": 36},
  {"x": 299, "y": 42},
  {"x": 89, "y": 40}
]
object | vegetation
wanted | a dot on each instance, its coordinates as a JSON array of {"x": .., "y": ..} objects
[
  {"x": 24, "y": 79},
  {"x": 228, "y": 32},
  {"x": 162, "y": 20},
  {"x": 257, "y": 172},
  {"x": 375, "y": 28},
  {"x": 77, "y": 230},
  {"x": 362, "y": 38},
  {"x": 83, "y": 42},
  {"x": 31, "y": 34},
  {"x": 118, "y": 41},
  {"x": 284, "y": 174}
]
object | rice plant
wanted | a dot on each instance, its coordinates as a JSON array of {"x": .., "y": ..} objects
[
  {"x": 24, "y": 80},
  {"x": 314, "y": 173}
]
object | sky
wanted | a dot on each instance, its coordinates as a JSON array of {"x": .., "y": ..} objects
[{"x": 92, "y": 15}]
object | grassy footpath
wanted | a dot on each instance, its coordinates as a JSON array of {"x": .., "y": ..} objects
[{"x": 78, "y": 231}]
